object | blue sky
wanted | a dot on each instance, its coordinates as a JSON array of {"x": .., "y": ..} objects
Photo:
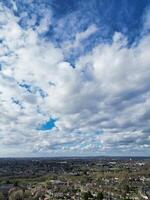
[{"x": 74, "y": 77}]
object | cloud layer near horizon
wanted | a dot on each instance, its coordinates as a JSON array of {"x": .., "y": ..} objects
[{"x": 101, "y": 103}]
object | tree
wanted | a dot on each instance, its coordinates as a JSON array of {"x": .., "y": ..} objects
[
  {"x": 1, "y": 196},
  {"x": 16, "y": 183},
  {"x": 127, "y": 188},
  {"x": 16, "y": 195},
  {"x": 87, "y": 195},
  {"x": 100, "y": 196}
]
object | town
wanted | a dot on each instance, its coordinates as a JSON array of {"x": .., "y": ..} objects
[{"x": 97, "y": 178}]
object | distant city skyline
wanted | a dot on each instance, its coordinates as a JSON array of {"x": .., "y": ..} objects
[{"x": 74, "y": 78}]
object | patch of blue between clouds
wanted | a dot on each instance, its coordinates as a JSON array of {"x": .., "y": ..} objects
[
  {"x": 26, "y": 86},
  {"x": 109, "y": 16},
  {"x": 33, "y": 89},
  {"x": 17, "y": 102},
  {"x": 50, "y": 124},
  {"x": 75, "y": 16}
]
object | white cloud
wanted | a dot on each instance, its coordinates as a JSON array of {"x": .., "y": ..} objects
[
  {"x": 100, "y": 104},
  {"x": 79, "y": 37}
]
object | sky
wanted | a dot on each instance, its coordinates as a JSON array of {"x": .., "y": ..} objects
[{"x": 74, "y": 78}]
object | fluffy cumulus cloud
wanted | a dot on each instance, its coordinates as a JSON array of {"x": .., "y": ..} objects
[{"x": 100, "y": 105}]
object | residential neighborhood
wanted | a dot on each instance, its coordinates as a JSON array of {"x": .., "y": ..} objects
[{"x": 75, "y": 178}]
